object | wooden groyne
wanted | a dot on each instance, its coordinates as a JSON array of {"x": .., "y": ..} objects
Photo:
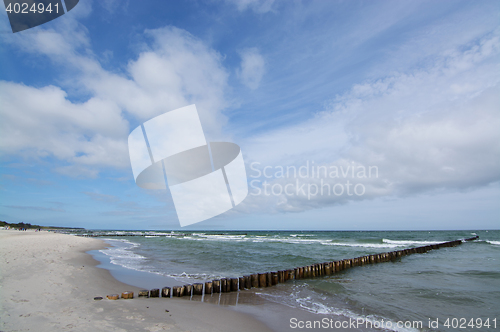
[{"x": 269, "y": 279}]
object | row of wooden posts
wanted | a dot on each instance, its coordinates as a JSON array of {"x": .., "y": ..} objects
[{"x": 268, "y": 279}]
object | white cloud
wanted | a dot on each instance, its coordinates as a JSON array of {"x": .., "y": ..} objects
[
  {"x": 258, "y": 6},
  {"x": 43, "y": 122},
  {"x": 174, "y": 69},
  {"x": 252, "y": 68},
  {"x": 428, "y": 130}
]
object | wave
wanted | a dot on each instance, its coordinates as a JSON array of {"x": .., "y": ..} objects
[
  {"x": 496, "y": 243},
  {"x": 361, "y": 245},
  {"x": 404, "y": 243},
  {"x": 121, "y": 253},
  {"x": 314, "y": 306}
]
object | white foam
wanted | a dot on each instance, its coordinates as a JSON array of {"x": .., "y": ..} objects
[
  {"x": 309, "y": 304},
  {"x": 361, "y": 245},
  {"x": 496, "y": 243},
  {"x": 402, "y": 243},
  {"x": 120, "y": 254}
]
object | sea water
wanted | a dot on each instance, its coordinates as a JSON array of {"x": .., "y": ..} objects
[{"x": 460, "y": 282}]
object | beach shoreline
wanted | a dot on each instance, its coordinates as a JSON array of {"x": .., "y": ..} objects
[
  {"x": 49, "y": 280},
  {"x": 48, "y": 283}
]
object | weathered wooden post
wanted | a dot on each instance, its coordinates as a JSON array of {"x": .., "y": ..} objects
[
  {"x": 178, "y": 291},
  {"x": 216, "y": 285},
  {"x": 296, "y": 273},
  {"x": 281, "y": 276},
  {"x": 248, "y": 282},
  {"x": 255, "y": 280},
  {"x": 127, "y": 295},
  {"x": 208, "y": 287},
  {"x": 228, "y": 285},
  {"x": 327, "y": 269},
  {"x": 112, "y": 296},
  {"x": 188, "y": 289},
  {"x": 301, "y": 272},
  {"x": 241, "y": 283},
  {"x": 223, "y": 285},
  {"x": 165, "y": 292},
  {"x": 234, "y": 284},
  {"x": 154, "y": 292},
  {"x": 275, "y": 278},
  {"x": 291, "y": 274},
  {"x": 262, "y": 280},
  {"x": 269, "y": 279},
  {"x": 143, "y": 293},
  {"x": 198, "y": 288}
]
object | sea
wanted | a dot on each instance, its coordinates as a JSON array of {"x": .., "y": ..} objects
[{"x": 457, "y": 287}]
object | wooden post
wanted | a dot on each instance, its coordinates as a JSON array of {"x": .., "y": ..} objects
[
  {"x": 154, "y": 292},
  {"x": 262, "y": 280},
  {"x": 301, "y": 272},
  {"x": 127, "y": 295},
  {"x": 165, "y": 292},
  {"x": 216, "y": 286},
  {"x": 112, "y": 296},
  {"x": 296, "y": 272},
  {"x": 223, "y": 285},
  {"x": 198, "y": 288},
  {"x": 228, "y": 285},
  {"x": 208, "y": 287},
  {"x": 337, "y": 266},
  {"x": 274, "y": 278},
  {"x": 188, "y": 289},
  {"x": 143, "y": 293},
  {"x": 327, "y": 269},
  {"x": 255, "y": 280},
  {"x": 291, "y": 274},
  {"x": 234, "y": 284},
  {"x": 313, "y": 271},
  {"x": 269, "y": 279},
  {"x": 241, "y": 282},
  {"x": 178, "y": 291},
  {"x": 248, "y": 282}
]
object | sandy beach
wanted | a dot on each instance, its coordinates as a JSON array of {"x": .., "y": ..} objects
[{"x": 48, "y": 283}]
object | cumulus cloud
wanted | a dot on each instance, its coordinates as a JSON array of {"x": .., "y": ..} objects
[
  {"x": 432, "y": 129},
  {"x": 252, "y": 68},
  {"x": 173, "y": 70}
]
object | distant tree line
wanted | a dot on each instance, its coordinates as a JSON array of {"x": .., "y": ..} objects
[{"x": 30, "y": 226}]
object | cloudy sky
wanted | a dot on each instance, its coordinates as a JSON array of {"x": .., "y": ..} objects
[{"x": 407, "y": 89}]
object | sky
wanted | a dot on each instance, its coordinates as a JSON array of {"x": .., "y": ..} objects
[{"x": 350, "y": 115}]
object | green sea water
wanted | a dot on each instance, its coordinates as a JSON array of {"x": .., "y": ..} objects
[{"x": 450, "y": 284}]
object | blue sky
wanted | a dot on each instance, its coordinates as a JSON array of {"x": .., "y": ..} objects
[{"x": 410, "y": 88}]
